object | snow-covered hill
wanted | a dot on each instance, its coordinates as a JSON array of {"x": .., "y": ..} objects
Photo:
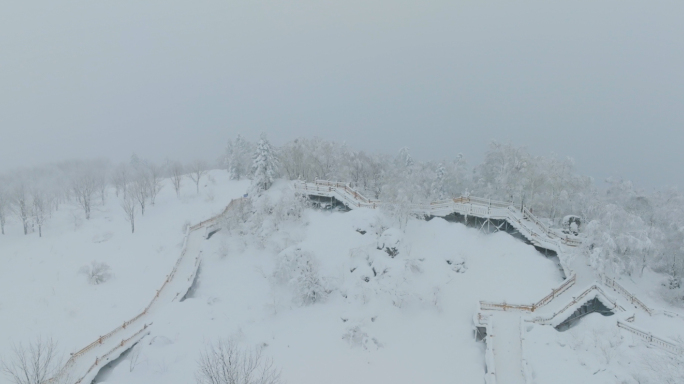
[
  {"x": 331, "y": 297},
  {"x": 405, "y": 319}
]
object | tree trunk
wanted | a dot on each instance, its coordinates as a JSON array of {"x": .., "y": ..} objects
[{"x": 132, "y": 226}]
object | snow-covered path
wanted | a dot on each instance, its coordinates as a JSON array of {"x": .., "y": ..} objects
[
  {"x": 504, "y": 320},
  {"x": 84, "y": 365},
  {"x": 507, "y": 348}
]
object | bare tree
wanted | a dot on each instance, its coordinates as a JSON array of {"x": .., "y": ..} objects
[
  {"x": 102, "y": 187},
  {"x": 121, "y": 179},
  {"x": 36, "y": 363},
  {"x": 226, "y": 363},
  {"x": 84, "y": 186},
  {"x": 39, "y": 209},
  {"x": 177, "y": 176},
  {"x": 198, "y": 168},
  {"x": 140, "y": 191},
  {"x": 21, "y": 204},
  {"x": 154, "y": 176},
  {"x": 129, "y": 206}
]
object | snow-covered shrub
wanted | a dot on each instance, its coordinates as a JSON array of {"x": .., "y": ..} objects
[
  {"x": 356, "y": 337},
  {"x": 299, "y": 269},
  {"x": 390, "y": 240},
  {"x": 224, "y": 362},
  {"x": 97, "y": 272},
  {"x": 457, "y": 264}
]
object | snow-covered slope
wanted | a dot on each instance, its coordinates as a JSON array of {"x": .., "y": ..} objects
[
  {"x": 43, "y": 291},
  {"x": 372, "y": 316},
  {"x": 405, "y": 319}
]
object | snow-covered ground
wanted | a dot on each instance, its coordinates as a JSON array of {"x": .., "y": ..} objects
[
  {"x": 375, "y": 318},
  {"x": 593, "y": 351},
  {"x": 411, "y": 321},
  {"x": 45, "y": 295}
]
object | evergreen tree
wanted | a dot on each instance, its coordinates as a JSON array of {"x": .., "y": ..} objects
[{"x": 264, "y": 166}]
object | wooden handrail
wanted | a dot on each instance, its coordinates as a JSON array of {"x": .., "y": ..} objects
[
  {"x": 76, "y": 355},
  {"x": 620, "y": 289},
  {"x": 647, "y": 336},
  {"x": 353, "y": 197}
]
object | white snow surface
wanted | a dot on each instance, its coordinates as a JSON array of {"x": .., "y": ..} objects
[
  {"x": 410, "y": 322},
  {"x": 45, "y": 295},
  {"x": 407, "y": 319}
]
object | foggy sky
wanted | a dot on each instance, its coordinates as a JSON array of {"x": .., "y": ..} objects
[{"x": 600, "y": 81}]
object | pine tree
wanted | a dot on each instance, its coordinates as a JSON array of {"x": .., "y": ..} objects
[{"x": 264, "y": 166}]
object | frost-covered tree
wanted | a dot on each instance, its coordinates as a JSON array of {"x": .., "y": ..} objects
[
  {"x": 264, "y": 166},
  {"x": 39, "y": 209},
  {"x": 224, "y": 362},
  {"x": 238, "y": 157},
  {"x": 139, "y": 190},
  {"x": 404, "y": 158},
  {"x": 438, "y": 188},
  {"x": 154, "y": 174},
  {"x": 294, "y": 159},
  {"x": 197, "y": 168},
  {"x": 83, "y": 186},
  {"x": 177, "y": 176},
  {"x": 121, "y": 178},
  {"x": 129, "y": 206},
  {"x": 505, "y": 172},
  {"x": 618, "y": 241},
  {"x": 22, "y": 207}
]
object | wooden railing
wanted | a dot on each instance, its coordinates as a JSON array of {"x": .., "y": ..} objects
[
  {"x": 576, "y": 300},
  {"x": 490, "y": 362},
  {"x": 486, "y": 305},
  {"x": 648, "y": 337},
  {"x": 470, "y": 205},
  {"x": 632, "y": 299},
  {"x": 125, "y": 342}
]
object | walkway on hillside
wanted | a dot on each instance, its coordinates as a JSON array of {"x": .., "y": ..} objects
[
  {"x": 84, "y": 365},
  {"x": 503, "y": 319}
]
